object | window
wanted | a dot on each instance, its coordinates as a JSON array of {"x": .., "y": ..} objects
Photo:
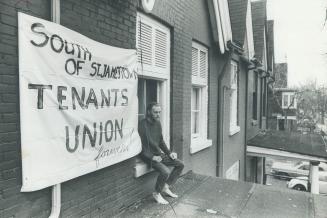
[
  {"x": 148, "y": 91},
  {"x": 288, "y": 100},
  {"x": 255, "y": 96},
  {"x": 285, "y": 101},
  {"x": 234, "y": 85},
  {"x": 153, "y": 49},
  {"x": 199, "y": 99},
  {"x": 195, "y": 124}
]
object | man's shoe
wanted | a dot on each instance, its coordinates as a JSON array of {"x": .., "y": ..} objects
[
  {"x": 159, "y": 199},
  {"x": 167, "y": 191}
]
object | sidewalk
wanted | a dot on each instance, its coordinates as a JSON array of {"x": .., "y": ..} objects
[{"x": 202, "y": 196}]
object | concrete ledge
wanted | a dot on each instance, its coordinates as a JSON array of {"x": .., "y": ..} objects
[{"x": 203, "y": 196}]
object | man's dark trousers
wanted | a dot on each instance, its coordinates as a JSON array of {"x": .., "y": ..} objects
[{"x": 165, "y": 176}]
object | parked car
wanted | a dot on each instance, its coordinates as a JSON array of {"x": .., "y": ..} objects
[
  {"x": 289, "y": 170},
  {"x": 301, "y": 184}
]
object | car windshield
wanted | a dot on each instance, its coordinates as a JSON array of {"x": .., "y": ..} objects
[{"x": 298, "y": 163}]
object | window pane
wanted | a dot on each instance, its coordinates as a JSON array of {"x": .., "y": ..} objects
[
  {"x": 292, "y": 100},
  {"x": 285, "y": 100},
  {"x": 195, "y": 122},
  {"x": 195, "y": 104},
  {"x": 151, "y": 91},
  {"x": 195, "y": 99},
  {"x": 146, "y": 92}
]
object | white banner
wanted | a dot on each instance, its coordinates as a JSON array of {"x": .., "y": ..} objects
[{"x": 78, "y": 103}]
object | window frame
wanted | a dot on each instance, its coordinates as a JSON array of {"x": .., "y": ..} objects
[
  {"x": 198, "y": 110},
  {"x": 289, "y": 100},
  {"x": 234, "y": 92},
  {"x": 200, "y": 72}
]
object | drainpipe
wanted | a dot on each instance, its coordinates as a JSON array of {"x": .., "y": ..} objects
[
  {"x": 56, "y": 201},
  {"x": 246, "y": 118},
  {"x": 56, "y": 189},
  {"x": 221, "y": 106}
]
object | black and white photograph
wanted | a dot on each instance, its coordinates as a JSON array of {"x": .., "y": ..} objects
[{"x": 163, "y": 108}]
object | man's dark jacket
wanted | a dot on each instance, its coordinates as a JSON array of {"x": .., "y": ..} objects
[{"x": 150, "y": 132}]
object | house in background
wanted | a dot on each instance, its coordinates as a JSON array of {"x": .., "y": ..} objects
[
  {"x": 282, "y": 101},
  {"x": 283, "y": 106}
]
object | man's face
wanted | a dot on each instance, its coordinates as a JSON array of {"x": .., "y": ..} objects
[{"x": 155, "y": 113}]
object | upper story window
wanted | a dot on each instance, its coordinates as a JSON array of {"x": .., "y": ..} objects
[
  {"x": 199, "y": 98},
  {"x": 289, "y": 100},
  {"x": 234, "y": 99},
  {"x": 153, "y": 47}
]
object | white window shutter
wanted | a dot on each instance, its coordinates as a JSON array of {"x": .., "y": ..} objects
[
  {"x": 144, "y": 49},
  {"x": 195, "y": 61},
  {"x": 203, "y": 64},
  {"x": 199, "y": 64},
  {"x": 161, "y": 49},
  {"x": 153, "y": 46}
]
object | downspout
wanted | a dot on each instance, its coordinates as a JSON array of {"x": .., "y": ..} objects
[
  {"x": 56, "y": 189},
  {"x": 221, "y": 106},
  {"x": 246, "y": 118},
  {"x": 56, "y": 201}
]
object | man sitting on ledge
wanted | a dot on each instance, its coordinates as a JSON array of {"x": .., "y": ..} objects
[{"x": 153, "y": 144}]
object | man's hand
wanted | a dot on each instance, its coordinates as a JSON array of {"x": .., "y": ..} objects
[
  {"x": 173, "y": 155},
  {"x": 157, "y": 158}
]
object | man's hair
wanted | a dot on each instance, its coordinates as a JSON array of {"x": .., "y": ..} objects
[{"x": 150, "y": 106}]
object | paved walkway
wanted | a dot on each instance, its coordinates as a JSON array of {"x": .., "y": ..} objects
[{"x": 202, "y": 196}]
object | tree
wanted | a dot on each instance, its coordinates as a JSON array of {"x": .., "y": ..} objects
[{"x": 312, "y": 102}]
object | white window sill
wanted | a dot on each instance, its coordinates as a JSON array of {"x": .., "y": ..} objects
[
  {"x": 233, "y": 130},
  {"x": 199, "y": 144},
  {"x": 141, "y": 169}
]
